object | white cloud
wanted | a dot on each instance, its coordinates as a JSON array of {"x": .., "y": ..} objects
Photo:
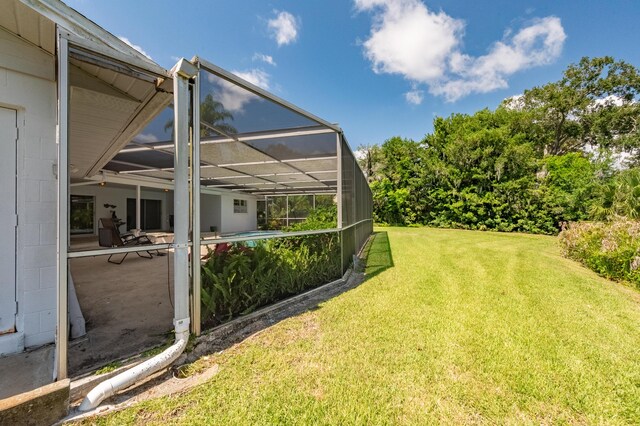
[
  {"x": 424, "y": 47},
  {"x": 135, "y": 46},
  {"x": 146, "y": 138},
  {"x": 414, "y": 97},
  {"x": 233, "y": 97},
  {"x": 264, "y": 58},
  {"x": 407, "y": 39},
  {"x": 284, "y": 28}
]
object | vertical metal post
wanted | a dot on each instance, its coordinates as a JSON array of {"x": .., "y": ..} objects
[
  {"x": 287, "y": 198},
  {"x": 266, "y": 211},
  {"x": 62, "y": 328},
  {"x": 354, "y": 202},
  {"x": 181, "y": 74},
  {"x": 339, "y": 198},
  {"x": 195, "y": 208},
  {"x": 339, "y": 180},
  {"x": 138, "y": 210}
]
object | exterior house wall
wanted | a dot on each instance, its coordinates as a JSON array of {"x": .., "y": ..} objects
[
  {"x": 238, "y": 222},
  {"x": 116, "y": 195},
  {"x": 210, "y": 212},
  {"x": 27, "y": 85}
]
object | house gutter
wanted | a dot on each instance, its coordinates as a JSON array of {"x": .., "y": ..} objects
[{"x": 182, "y": 72}]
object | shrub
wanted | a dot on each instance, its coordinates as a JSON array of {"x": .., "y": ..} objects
[
  {"x": 324, "y": 217},
  {"x": 241, "y": 279},
  {"x": 612, "y": 249}
]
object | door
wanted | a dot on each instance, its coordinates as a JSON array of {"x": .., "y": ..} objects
[
  {"x": 150, "y": 214},
  {"x": 8, "y": 219}
]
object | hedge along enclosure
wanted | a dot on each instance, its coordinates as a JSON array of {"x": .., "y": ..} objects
[{"x": 238, "y": 278}]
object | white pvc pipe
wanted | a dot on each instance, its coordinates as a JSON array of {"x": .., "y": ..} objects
[
  {"x": 122, "y": 381},
  {"x": 181, "y": 74}
]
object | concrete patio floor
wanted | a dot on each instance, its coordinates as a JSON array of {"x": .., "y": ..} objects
[{"x": 127, "y": 308}]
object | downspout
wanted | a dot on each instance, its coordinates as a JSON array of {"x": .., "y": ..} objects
[{"x": 181, "y": 73}]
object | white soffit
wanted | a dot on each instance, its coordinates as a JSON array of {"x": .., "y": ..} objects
[
  {"x": 89, "y": 34},
  {"x": 96, "y": 120},
  {"x": 28, "y": 24}
]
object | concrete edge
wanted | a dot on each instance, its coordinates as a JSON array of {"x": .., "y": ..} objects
[{"x": 42, "y": 406}]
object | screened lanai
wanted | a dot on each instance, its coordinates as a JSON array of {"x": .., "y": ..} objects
[
  {"x": 249, "y": 150},
  {"x": 250, "y": 142}
]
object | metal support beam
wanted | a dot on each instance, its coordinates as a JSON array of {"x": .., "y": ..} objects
[
  {"x": 62, "y": 329},
  {"x": 339, "y": 180},
  {"x": 339, "y": 198},
  {"x": 181, "y": 195},
  {"x": 138, "y": 209},
  {"x": 195, "y": 209}
]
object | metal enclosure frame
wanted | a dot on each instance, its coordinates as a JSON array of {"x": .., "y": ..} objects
[{"x": 187, "y": 190}]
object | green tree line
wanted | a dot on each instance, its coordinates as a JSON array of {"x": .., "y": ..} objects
[{"x": 565, "y": 151}]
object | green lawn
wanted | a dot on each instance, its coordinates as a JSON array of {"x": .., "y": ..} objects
[{"x": 453, "y": 327}]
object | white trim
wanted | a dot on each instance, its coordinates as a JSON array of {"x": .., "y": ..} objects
[{"x": 62, "y": 329}]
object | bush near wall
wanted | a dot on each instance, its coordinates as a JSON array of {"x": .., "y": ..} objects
[
  {"x": 612, "y": 249},
  {"x": 241, "y": 279}
]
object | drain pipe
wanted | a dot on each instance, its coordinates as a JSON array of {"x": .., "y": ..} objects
[{"x": 181, "y": 73}]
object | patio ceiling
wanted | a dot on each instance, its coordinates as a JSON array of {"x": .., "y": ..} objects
[
  {"x": 109, "y": 103},
  {"x": 250, "y": 141},
  {"x": 114, "y": 89}
]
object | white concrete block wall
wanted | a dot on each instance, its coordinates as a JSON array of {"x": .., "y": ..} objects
[
  {"x": 31, "y": 91},
  {"x": 210, "y": 212},
  {"x": 238, "y": 222}
]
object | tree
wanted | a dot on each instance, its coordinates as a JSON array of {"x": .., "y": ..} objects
[
  {"x": 619, "y": 196},
  {"x": 595, "y": 104},
  {"x": 213, "y": 116},
  {"x": 369, "y": 159}
]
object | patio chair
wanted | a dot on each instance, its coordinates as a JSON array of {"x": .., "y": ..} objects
[{"x": 109, "y": 236}]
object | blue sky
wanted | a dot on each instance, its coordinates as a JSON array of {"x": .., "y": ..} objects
[{"x": 380, "y": 68}]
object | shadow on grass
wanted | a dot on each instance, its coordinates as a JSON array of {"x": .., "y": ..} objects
[{"x": 377, "y": 254}]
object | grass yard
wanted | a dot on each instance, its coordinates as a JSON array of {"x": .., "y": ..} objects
[{"x": 450, "y": 327}]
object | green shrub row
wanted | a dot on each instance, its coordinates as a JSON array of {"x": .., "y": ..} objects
[
  {"x": 242, "y": 279},
  {"x": 612, "y": 249}
]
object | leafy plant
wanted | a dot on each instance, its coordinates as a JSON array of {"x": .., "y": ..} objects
[{"x": 241, "y": 279}]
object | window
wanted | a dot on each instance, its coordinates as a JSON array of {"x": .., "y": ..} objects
[
  {"x": 239, "y": 206},
  {"x": 81, "y": 214}
]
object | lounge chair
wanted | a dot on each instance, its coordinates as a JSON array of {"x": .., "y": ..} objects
[{"x": 109, "y": 236}]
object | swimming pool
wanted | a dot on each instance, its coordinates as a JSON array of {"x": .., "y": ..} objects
[{"x": 250, "y": 234}]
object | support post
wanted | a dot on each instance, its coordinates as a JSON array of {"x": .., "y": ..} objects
[
  {"x": 195, "y": 209},
  {"x": 182, "y": 72},
  {"x": 138, "y": 210},
  {"x": 339, "y": 198},
  {"x": 62, "y": 328}
]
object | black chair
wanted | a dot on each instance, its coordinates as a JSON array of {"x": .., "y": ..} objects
[{"x": 109, "y": 236}]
